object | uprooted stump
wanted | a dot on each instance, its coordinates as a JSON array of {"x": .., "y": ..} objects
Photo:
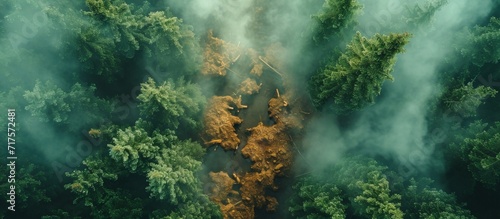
[
  {"x": 249, "y": 86},
  {"x": 219, "y": 122},
  {"x": 283, "y": 114},
  {"x": 229, "y": 200},
  {"x": 268, "y": 148},
  {"x": 253, "y": 188},
  {"x": 222, "y": 187},
  {"x": 218, "y": 56},
  {"x": 257, "y": 66}
]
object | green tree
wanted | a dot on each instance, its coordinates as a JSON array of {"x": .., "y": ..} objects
[
  {"x": 335, "y": 15},
  {"x": 173, "y": 176},
  {"x": 89, "y": 183},
  {"x": 77, "y": 107},
  {"x": 29, "y": 186},
  {"x": 483, "y": 42},
  {"x": 10, "y": 100},
  {"x": 171, "y": 104},
  {"x": 92, "y": 186},
  {"x": 355, "y": 79},
  {"x": 368, "y": 188},
  {"x": 118, "y": 203},
  {"x": 358, "y": 181},
  {"x": 422, "y": 201},
  {"x": 481, "y": 151},
  {"x": 375, "y": 198},
  {"x": 200, "y": 208},
  {"x": 48, "y": 102},
  {"x": 88, "y": 41},
  {"x": 419, "y": 16},
  {"x": 109, "y": 36},
  {"x": 314, "y": 198},
  {"x": 167, "y": 165},
  {"x": 135, "y": 149},
  {"x": 163, "y": 38},
  {"x": 30, "y": 190},
  {"x": 466, "y": 99}
]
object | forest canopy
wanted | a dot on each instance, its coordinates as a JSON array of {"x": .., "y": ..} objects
[{"x": 250, "y": 109}]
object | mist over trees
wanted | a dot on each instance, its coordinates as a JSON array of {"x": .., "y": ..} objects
[
  {"x": 251, "y": 108},
  {"x": 355, "y": 79},
  {"x": 334, "y": 16}
]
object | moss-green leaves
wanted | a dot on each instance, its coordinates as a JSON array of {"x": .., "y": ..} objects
[{"x": 355, "y": 79}]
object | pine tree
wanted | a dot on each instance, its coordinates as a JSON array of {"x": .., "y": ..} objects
[
  {"x": 483, "y": 43},
  {"x": 422, "y": 201},
  {"x": 89, "y": 183},
  {"x": 118, "y": 203},
  {"x": 165, "y": 40},
  {"x": 200, "y": 208},
  {"x": 355, "y": 79},
  {"x": 482, "y": 153},
  {"x": 108, "y": 35},
  {"x": 48, "y": 102},
  {"x": 134, "y": 148},
  {"x": 375, "y": 198},
  {"x": 466, "y": 99},
  {"x": 30, "y": 188},
  {"x": 336, "y": 14},
  {"x": 171, "y": 104},
  {"x": 173, "y": 176},
  {"x": 419, "y": 16},
  {"x": 315, "y": 198},
  {"x": 359, "y": 181},
  {"x": 367, "y": 188},
  {"x": 75, "y": 108}
]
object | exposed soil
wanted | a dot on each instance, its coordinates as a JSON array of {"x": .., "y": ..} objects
[
  {"x": 219, "y": 122},
  {"x": 259, "y": 134},
  {"x": 218, "y": 56},
  {"x": 249, "y": 86}
]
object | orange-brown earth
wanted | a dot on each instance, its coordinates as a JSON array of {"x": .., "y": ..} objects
[
  {"x": 219, "y": 122},
  {"x": 268, "y": 147},
  {"x": 218, "y": 56},
  {"x": 228, "y": 199},
  {"x": 249, "y": 86},
  {"x": 257, "y": 67}
]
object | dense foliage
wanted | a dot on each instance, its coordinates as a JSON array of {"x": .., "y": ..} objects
[
  {"x": 366, "y": 185},
  {"x": 484, "y": 41},
  {"x": 335, "y": 16},
  {"x": 481, "y": 152},
  {"x": 109, "y": 97},
  {"x": 355, "y": 79}
]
